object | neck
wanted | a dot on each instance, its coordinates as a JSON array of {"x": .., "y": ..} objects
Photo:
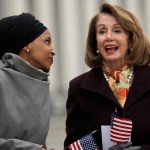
[
  {"x": 116, "y": 65},
  {"x": 129, "y": 77}
]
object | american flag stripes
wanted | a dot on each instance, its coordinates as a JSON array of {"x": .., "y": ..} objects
[
  {"x": 121, "y": 129},
  {"x": 85, "y": 143}
]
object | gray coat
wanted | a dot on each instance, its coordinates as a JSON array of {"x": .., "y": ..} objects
[{"x": 24, "y": 105}]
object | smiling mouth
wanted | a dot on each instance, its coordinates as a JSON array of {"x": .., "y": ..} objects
[
  {"x": 111, "y": 49},
  {"x": 50, "y": 60}
]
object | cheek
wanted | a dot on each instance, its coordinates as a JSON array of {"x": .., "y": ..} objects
[
  {"x": 38, "y": 50},
  {"x": 126, "y": 44},
  {"x": 126, "y": 40},
  {"x": 100, "y": 40}
]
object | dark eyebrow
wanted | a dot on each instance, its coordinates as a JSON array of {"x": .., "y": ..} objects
[
  {"x": 104, "y": 24},
  {"x": 48, "y": 37}
]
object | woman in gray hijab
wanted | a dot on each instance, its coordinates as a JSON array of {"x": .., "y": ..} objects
[{"x": 26, "y": 55}]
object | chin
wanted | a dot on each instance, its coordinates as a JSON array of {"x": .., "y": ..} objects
[
  {"x": 45, "y": 69},
  {"x": 112, "y": 58}
]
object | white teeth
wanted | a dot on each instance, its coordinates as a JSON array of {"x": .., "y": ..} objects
[{"x": 111, "y": 47}]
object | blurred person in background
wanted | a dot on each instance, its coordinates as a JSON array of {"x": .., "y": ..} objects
[
  {"x": 26, "y": 55},
  {"x": 115, "y": 93}
]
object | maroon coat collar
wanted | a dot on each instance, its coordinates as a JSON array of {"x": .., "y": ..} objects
[
  {"x": 140, "y": 85},
  {"x": 95, "y": 82}
]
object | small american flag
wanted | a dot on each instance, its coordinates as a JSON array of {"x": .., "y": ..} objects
[
  {"x": 85, "y": 143},
  {"x": 121, "y": 129}
]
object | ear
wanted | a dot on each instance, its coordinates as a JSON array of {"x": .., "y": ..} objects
[
  {"x": 26, "y": 48},
  {"x": 24, "y": 51}
]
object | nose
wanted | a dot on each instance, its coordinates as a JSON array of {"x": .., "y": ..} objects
[
  {"x": 109, "y": 37},
  {"x": 52, "y": 51}
]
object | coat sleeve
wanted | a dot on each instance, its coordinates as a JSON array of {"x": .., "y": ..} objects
[
  {"x": 73, "y": 116},
  {"x": 16, "y": 144},
  {"x": 145, "y": 147},
  {"x": 71, "y": 120}
]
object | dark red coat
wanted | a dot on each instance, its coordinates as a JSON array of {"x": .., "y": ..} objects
[{"x": 91, "y": 102}]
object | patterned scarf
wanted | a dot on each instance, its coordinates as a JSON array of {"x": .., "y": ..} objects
[{"x": 119, "y": 81}]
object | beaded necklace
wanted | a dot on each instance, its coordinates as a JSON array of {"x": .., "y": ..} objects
[
  {"x": 119, "y": 82},
  {"x": 129, "y": 77}
]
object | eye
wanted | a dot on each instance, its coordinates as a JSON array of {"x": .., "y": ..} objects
[
  {"x": 117, "y": 31},
  {"x": 102, "y": 31},
  {"x": 47, "y": 41}
]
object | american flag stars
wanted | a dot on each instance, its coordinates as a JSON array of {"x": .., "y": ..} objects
[{"x": 85, "y": 143}]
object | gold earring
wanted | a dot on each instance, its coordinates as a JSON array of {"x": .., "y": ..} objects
[{"x": 28, "y": 50}]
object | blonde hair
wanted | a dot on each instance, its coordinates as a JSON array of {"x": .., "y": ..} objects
[{"x": 138, "y": 40}]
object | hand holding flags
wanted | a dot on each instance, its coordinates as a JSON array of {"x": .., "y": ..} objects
[
  {"x": 85, "y": 143},
  {"x": 121, "y": 129},
  {"x": 120, "y": 133}
]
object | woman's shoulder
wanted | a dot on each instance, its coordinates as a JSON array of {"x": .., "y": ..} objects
[
  {"x": 145, "y": 68},
  {"x": 80, "y": 78},
  {"x": 142, "y": 71}
]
